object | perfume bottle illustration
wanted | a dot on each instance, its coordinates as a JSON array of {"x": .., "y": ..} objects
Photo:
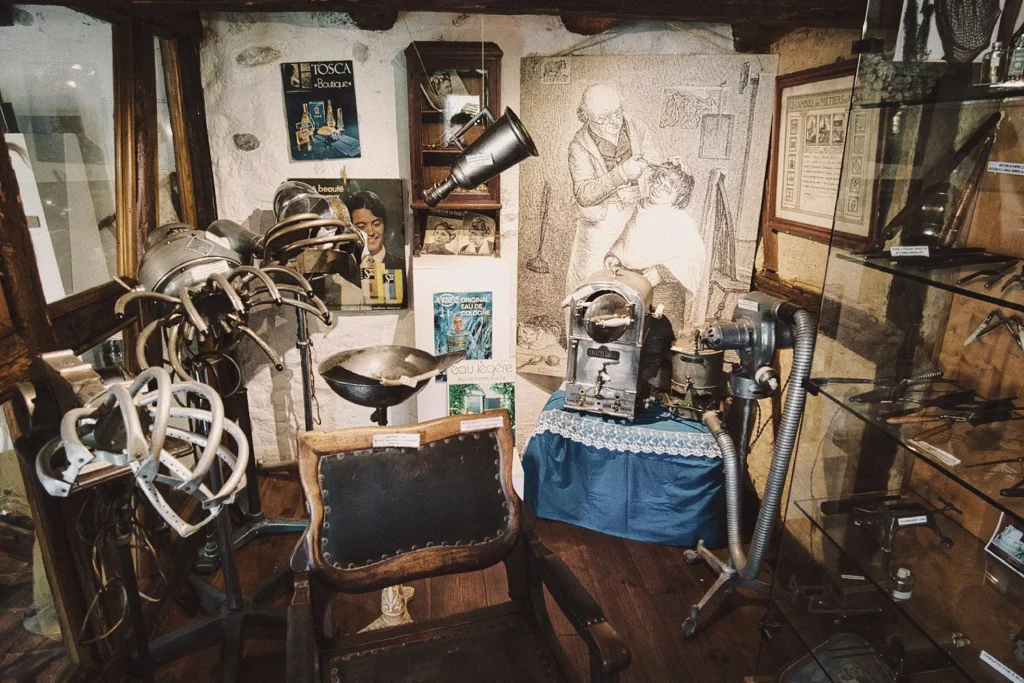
[
  {"x": 331, "y": 123},
  {"x": 457, "y": 339}
]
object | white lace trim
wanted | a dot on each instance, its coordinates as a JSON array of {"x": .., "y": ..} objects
[{"x": 615, "y": 437}]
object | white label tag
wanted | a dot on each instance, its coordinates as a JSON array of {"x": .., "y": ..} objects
[
  {"x": 480, "y": 424},
  {"x": 407, "y": 381},
  {"x": 911, "y": 521},
  {"x": 747, "y": 305},
  {"x": 203, "y": 272},
  {"x": 1006, "y": 671},
  {"x": 396, "y": 440},
  {"x": 1009, "y": 167},
  {"x": 852, "y": 577},
  {"x": 945, "y": 457},
  {"x": 476, "y": 160},
  {"x": 918, "y": 250}
]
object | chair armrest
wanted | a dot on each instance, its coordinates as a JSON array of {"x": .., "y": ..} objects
[
  {"x": 301, "y": 652},
  {"x": 608, "y": 652}
]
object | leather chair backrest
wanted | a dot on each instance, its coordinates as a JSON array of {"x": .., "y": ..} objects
[{"x": 393, "y": 504}]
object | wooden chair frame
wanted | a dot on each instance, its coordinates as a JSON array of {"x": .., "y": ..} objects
[{"x": 529, "y": 565}]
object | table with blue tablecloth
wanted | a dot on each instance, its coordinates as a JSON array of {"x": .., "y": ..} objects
[{"x": 657, "y": 478}]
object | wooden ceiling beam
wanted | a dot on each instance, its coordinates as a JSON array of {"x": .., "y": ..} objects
[{"x": 791, "y": 13}]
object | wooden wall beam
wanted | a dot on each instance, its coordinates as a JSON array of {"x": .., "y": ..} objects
[
  {"x": 135, "y": 139},
  {"x": 196, "y": 137},
  {"x": 19, "y": 277},
  {"x": 583, "y": 25},
  {"x": 793, "y": 13},
  {"x": 374, "y": 19}
]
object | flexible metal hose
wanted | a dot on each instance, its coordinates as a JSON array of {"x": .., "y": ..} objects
[
  {"x": 785, "y": 439},
  {"x": 733, "y": 513}
]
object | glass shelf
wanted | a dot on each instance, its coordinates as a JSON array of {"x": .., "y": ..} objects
[
  {"x": 946, "y": 278},
  {"x": 950, "y": 593},
  {"x": 851, "y": 632},
  {"x": 970, "y": 445},
  {"x": 834, "y": 656},
  {"x": 974, "y": 93}
]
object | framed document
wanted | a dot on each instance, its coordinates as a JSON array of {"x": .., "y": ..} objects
[{"x": 822, "y": 167}]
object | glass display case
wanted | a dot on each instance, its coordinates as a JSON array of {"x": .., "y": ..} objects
[{"x": 901, "y": 557}]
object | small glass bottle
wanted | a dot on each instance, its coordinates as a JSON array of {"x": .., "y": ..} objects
[
  {"x": 980, "y": 74},
  {"x": 331, "y": 123},
  {"x": 457, "y": 339},
  {"x": 997, "y": 63},
  {"x": 1016, "y": 70},
  {"x": 903, "y": 586}
]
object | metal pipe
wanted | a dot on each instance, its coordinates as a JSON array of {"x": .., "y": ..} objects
[
  {"x": 271, "y": 354},
  {"x": 219, "y": 280},
  {"x": 241, "y": 271},
  {"x": 126, "y": 299},
  {"x": 302, "y": 343}
]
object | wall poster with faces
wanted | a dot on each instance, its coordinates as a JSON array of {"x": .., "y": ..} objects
[
  {"x": 376, "y": 208},
  {"x": 459, "y": 233}
]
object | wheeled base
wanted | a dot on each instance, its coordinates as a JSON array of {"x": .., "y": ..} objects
[
  {"x": 727, "y": 582},
  {"x": 227, "y": 625}
]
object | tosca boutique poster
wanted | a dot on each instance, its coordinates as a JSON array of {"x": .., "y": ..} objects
[{"x": 320, "y": 109}]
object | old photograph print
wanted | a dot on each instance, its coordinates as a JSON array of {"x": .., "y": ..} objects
[{"x": 662, "y": 175}]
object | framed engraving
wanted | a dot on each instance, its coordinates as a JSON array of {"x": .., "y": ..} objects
[{"x": 822, "y": 167}]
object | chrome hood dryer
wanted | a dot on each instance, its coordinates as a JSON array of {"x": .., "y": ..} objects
[{"x": 761, "y": 325}]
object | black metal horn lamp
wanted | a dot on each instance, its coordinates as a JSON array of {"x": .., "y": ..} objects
[{"x": 503, "y": 145}]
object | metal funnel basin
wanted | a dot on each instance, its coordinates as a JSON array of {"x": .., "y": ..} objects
[{"x": 383, "y": 376}]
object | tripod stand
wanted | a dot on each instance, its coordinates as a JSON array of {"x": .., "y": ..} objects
[
  {"x": 257, "y": 524},
  {"x": 233, "y": 611}
]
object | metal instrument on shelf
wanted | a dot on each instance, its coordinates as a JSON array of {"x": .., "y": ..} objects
[
  {"x": 992, "y": 275},
  {"x": 609, "y": 358},
  {"x": 1014, "y": 324},
  {"x": 504, "y": 144},
  {"x": 1016, "y": 280},
  {"x": 1014, "y": 491},
  {"x": 897, "y": 516},
  {"x": 887, "y": 391}
]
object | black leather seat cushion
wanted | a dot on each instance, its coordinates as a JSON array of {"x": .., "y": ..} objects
[
  {"x": 506, "y": 648},
  {"x": 382, "y": 502}
]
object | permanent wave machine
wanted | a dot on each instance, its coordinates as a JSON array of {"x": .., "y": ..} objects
[{"x": 760, "y": 326}]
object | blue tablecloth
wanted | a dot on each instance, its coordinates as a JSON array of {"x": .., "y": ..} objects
[{"x": 658, "y": 478}]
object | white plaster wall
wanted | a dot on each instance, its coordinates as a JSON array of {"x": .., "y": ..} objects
[{"x": 241, "y": 78}]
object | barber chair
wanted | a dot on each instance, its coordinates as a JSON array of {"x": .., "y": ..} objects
[{"x": 390, "y": 505}]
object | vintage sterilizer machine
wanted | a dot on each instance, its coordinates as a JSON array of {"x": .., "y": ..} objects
[{"x": 609, "y": 320}]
